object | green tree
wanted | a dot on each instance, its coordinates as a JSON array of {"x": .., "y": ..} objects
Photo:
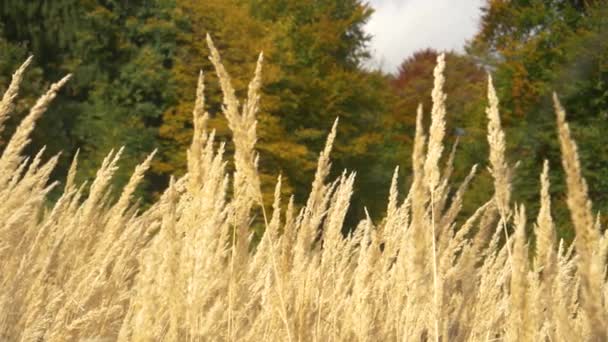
[
  {"x": 320, "y": 51},
  {"x": 537, "y": 47},
  {"x": 120, "y": 54},
  {"x": 313, "y": 57}
]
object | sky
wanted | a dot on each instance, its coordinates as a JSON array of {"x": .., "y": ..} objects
[{"x": 402, "y": 27}]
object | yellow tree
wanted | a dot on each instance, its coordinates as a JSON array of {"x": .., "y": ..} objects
[{"x": 240, "y": 38}]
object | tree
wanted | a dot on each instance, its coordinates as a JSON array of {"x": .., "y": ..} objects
[
  {"x": 466, "y": 84},
  {"x": 240, "y": 38},
  {"x": 537, "y": 47},
  {"x": 320, "y": 50},
  {"x": 313, "y": 55},
  {"x": 120, "y": 54},
  {"x": 135, "y": 65}
]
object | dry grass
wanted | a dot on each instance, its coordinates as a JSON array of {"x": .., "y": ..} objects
[{"x": 93, "y": 269}]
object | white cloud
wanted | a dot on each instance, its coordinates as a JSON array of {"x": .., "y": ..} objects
[{"x": 401, "y": 27}]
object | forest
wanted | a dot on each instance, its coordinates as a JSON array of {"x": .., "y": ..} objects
[{"x": 135, "y": 63}]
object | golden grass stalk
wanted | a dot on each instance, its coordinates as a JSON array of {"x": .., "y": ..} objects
[
  {"x": 91, "y": 268},
  {"x": 587, "y": 237},
  {"x": 7, "y": 103},
  {"x": 498, "y": 165}
]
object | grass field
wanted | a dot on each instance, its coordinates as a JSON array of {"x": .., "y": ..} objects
[{"x": 95, "y": 268}]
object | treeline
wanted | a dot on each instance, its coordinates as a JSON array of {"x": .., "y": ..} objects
[{"x": 136, "y": 63}]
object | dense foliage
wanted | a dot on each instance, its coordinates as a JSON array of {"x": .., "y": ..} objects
[
  {"x": 535, "y": 48},
  {"x": 120, "y": 53},
  {"x": 134, "y": 63}
]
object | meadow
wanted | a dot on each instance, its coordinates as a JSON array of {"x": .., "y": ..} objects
[{"x": 91, "y": 267}]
